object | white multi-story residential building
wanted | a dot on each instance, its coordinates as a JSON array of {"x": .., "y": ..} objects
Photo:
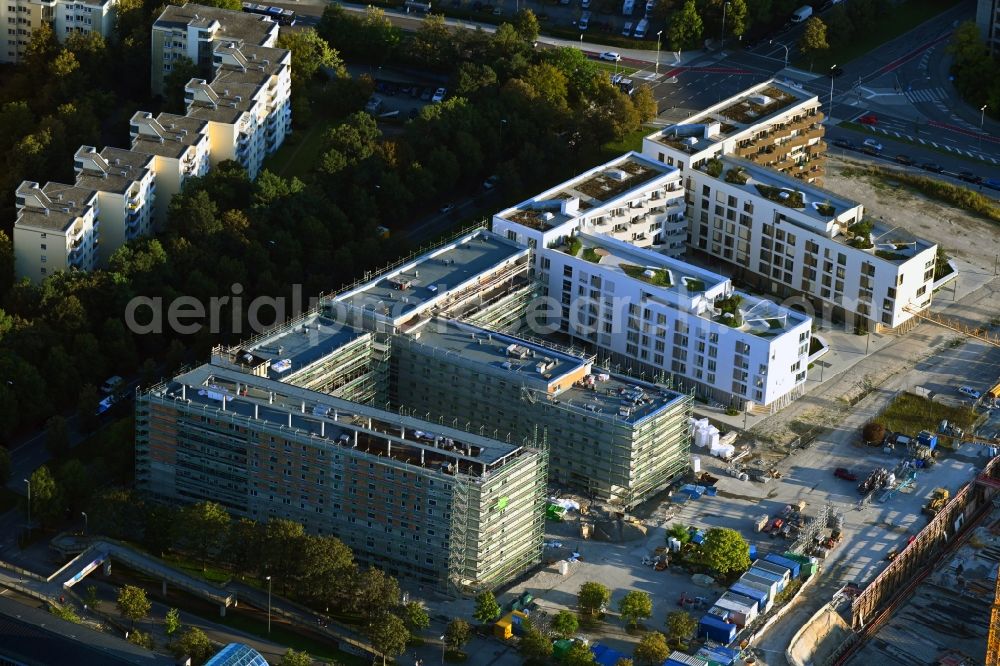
[
  {"x": 22, "y": 17},
  {"x": 988, "y": 20},
  {"x": 57, "y": 229},
  {"x": 772, "y": 124},
  {"x": 85, "y": 17},
  {"x": 630, "y": 198},
  {"x": 272, "y": 66},
  {"x": 180, "y": 147},
  {"x": 793, "y": 239},
  {"x": 652, "y": 313},
  {"x": 191, "y": 31},
  {"x": 126, "y": 190}
]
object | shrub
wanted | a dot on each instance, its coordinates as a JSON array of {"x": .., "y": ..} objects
[
  {"x": 713, "y": 167},
  {"x": 873, "y": 432}
]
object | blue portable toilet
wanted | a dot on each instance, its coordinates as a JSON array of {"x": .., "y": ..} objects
[{"x": 753, "y": 552}]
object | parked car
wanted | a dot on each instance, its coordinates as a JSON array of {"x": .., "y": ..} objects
[
  {"x": 904, "y": 160},
  {"x": 868, "y": 119},
  {"x": 970, "y": 392},
  {"x": 490, "y": 182},
  {"x": 610, "y": 56},
  {"x": 844, "y": 143},
  {"x": 872, "y": 143},
  {"x": 970, "y": 177},
  {"x": 626, "y": 32},
  {"x": 427, "y": 94},
  {"x": 992, "y": 183},
  {"x": 439, "y": 95},
  {"x": 374, "y": 104},
  {"x": 111, "y": 384},
  {"x": 845, "y": 474},
  {"x": 869, "y": 150},
  {"x": 931, "y": 166},
  {"x": 447, "y": 208},
  {"x": 585, "y": 4}
]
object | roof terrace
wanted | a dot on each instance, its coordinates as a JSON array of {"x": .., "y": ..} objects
[
  {"x": 594, "y": 189},
  {"x": 750, "y": 314},
  {"x": 755, "y": 106}
]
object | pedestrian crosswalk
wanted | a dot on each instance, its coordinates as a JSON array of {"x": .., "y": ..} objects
[{"x": 925, "y": 95}]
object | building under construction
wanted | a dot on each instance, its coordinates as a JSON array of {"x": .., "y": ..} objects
[{"x": 421, "y": 441}]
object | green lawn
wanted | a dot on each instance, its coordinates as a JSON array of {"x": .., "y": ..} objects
[
  {"x": 900, "y": 19},
  {"x": 911, "y": 413},
  {"x": 298, "y": 155},
  {"x": 632, "y": 141},
  {"x": 192, "y": 568},
  {"x": 611, "y": 67}
]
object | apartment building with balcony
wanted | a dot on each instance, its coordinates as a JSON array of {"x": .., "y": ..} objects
[
  {"x": 126, "y": 191},
  {"x": 180, "y": 148},
  {"x": 85, "y": 17},
  {"x": 193, "y": 31},
  {"x": 57, "y": 229},
  {"x": 272, "y": 70},
  {"x": 20, "y": 18},
  {"x": 421, "y": 500},
  {"x": 796, "y": 240},
  {"x": 609, "y": 436},
  {"x": 988, "y": 20},
  {"x": 772, "y": 124},
  {"x": 630, "y": 198}
]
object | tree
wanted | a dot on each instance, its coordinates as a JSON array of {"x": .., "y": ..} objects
[
  {"x": 295, "y": 658},
  {"x": 487, "y": 608},
  {"x": 578, "y": 654},
  {"x": 57, "y": 436},
  {"x": 634, "y": 606},
  {"x": 192, "y": 643},
  {"x": 136, "y": 637},
  {"x": 133, "y": 604},
  {"x": 645, "y": 103},
  {"x": 680, "y": 627},
  {"x": 736, "y": 17},
  {"x": 76, "y": 483},
  {"x": 873, "y": 432},
  {"x": 593, "y": 597},
  {"x": 205, "y": 525},
  {"x": 233, "y": 5},
  {"x": 4, "y": 466},
  {"x": 310, "y": 54},
  {"x": 565, "y": 624},
  {"x": 527, "y": 25},
  {"x": 652, "y": 649},
  {"x": 535, "y": 646},
  {"x": 725, "y": 551},
  {"x": 457, "y": 634},
  {"x": 182, "y": 71},
  {"x": 624, "y": 661},
  {"x": 172, "y": 622},
  {"x": 86, "y": 407},
  {"x": 415, "y": 616},
  {"x": 388, "y": 635},
  {"x": 46, "y": 497},
  {"x": 679, "y": 532},
  {"x": 686, "y": 28},
  {"x": 813, "y": 38}
]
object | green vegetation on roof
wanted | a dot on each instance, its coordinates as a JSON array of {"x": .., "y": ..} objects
[
  {"x": 790, "y": 198},
  {"x": 659, "y": 276}
]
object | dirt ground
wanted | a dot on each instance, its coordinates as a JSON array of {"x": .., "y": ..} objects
[{"x": 968, "y": 239}]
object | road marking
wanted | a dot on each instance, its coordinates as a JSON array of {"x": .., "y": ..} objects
[{"x": 926, "y": 95}]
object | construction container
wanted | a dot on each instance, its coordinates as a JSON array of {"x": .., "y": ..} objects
[
  {"x": 563, "y": 567},
  {"x": 760, "y": 522},
  {"x": 718, "y": 654},
  {"x": 561, "y": 647},
  {"x": 743, "y": 609},
  {"x": 758, "y": 582},
  {"x": 713, "y": 628},
  {"x": 779, "y": 579},
  {"x": 681, "y": 659},
  {"x": 791, "y": 565},
  {"x": 606, "y": 656},
  {"x": 755, "y": 593},
  {"x": 696, "y": 464},
  {"x": 504, "y": 628}
]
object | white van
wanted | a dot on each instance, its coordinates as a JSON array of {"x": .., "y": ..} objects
[
  {"x": 111, "y": 385},
  {"x": 650, "y": 5},
  {"x": 802, "y": 13},
  {"x": 641, "y": 28},
  {"x": 584, "y": 21}
]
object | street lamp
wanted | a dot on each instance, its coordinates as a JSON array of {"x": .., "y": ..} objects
[
  {"x": 269, "y": 604},
  {"x": 503, "y": 121},
  {"x": 658, "y": 52},
  {"x": 29, "y": 503},
  {"x": 724, "y": 8},
  {"x": 442, "y": 649},
  {"x": 782, "y": 46},
  {"x": 832, "y": 67},
  {"x": 982, "y": 119},
  {"x": 84, "y": 514},
  {"x": 581, "y": 41}
]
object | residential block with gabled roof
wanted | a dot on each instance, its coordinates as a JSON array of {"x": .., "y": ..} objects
[{"x": 57, "y": 229}]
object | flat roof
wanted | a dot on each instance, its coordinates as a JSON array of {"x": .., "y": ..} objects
[
  {"x": 125, "y": 167},
  {"x": 519, "y": 359},
  {"x": 252, "y": 28},
  {"x": 67, "y": 204},
  {"x": 182, "y": 132},
  {"x": 757, "y": 105},
  {"x": 597, "y": 188},
  {"x": 618, "y": 397},
  {"x": 430, "y": 276},
  {"x": 323, "y": 416},
  {"x": 300, "y": 343}
]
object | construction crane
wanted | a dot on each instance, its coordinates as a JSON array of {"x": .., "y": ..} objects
[
  {"x": 993, "y": 638},
  {"x": 980, "y": 334}
]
